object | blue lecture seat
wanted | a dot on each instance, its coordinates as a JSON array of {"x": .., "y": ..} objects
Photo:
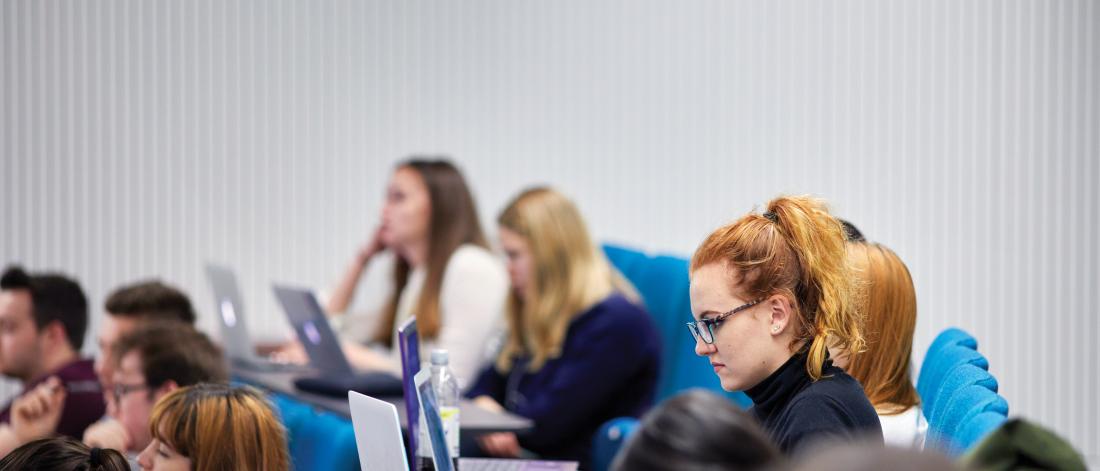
[
  {"x": 928, "y": 381},
  {"x": 973, "y": 430},
  {"x": 939, "y": 366},
  {"x": 962, "y": 407},
  {"x": 609, "y": 440},
  {"x": 317, "y": 440},
  {"x": 955, "y": 380}
]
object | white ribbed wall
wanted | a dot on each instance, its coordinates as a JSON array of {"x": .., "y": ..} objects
[{"x": 142, "y": 138}]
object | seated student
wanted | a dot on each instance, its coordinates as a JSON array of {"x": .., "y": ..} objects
[
  {"x": 579, "y": 350},
  {"x": 132, "y": 306},
  {"x": 152, "y": 362},
  {"x": 128, "y": 308},
  {"x": 768, "y": 292},
  {"x": 42, "y": 323},
  {"x": 443, "y": 272},
  {"x": 213, "y": 427},
  {"x": 890, "y": 317},
  {"x": 874, "y": 457},
  {"x": 698, "y": 431},
  {"x": 62, "y": 454}
]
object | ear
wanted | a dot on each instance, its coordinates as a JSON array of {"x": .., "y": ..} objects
[
  {"x": 55, "y": 332},
  {"x": 164, "y": 389},
  {"x": 782, "y": 313}
]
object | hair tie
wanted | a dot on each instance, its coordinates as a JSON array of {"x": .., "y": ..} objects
[
  {"x": 771, "y": 216},
  {"x": 96, "y": 457}
]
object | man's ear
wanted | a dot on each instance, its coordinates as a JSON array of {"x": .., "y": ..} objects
[
  {"x": 164, "y": 389},
  {"x": 55, "y": 333}
]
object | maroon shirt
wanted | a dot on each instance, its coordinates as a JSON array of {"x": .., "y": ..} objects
[{"x": 83, "y": 401}]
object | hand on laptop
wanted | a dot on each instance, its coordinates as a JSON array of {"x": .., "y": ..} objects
[
  {"x": 107, "y": 433},
  {"x": 363, "y": 358},
  {"x": 293, "y": 353},
  {"x": 500, "y": 445}
]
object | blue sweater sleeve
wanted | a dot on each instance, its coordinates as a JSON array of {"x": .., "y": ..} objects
[
  {"x": 597, "y": 361},
  {"x": 489, "y": 383}
]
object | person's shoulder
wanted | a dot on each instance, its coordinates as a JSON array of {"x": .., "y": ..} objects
[
  {"x": 837, "y": 394},
  {"x": 469, "y": 258},
  {"x": 617, "y": 316},
  {"x": 834, "y": 390},
  {"x": 76, "y": 370},
  {"x": 617, "y": 308}
]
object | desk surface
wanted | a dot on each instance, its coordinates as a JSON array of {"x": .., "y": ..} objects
[{"x": 473, "y": 418}]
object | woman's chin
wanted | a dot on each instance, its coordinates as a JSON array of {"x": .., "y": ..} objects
[{"x": 730, "y": 384}]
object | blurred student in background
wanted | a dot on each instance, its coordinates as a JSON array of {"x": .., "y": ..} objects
[
  {"x": 890, "y": 318},
  {"x": 62, "y": 454},
  {"x": 579, "y": 349},
  {"x": 698, "y": 431},
  {"x": 43, "y": 318},
  {"x": 443, "y": 273},
  {"x": 213, "y": 427}
]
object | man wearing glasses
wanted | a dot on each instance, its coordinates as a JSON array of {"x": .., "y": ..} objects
[{"x": 151, "y": 362}]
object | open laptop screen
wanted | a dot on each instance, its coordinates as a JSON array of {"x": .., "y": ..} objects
[
  {"x": 440, "y": 452},
  {"x": 409, "y": 342}
]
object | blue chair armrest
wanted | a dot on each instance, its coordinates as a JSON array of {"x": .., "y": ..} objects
[{"x": 610, "y": 439}]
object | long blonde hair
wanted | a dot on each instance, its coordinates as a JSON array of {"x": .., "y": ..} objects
[
  {"x": 795, "y": 249},
  {"x": 568, "y": 275},
  {"x": 219, "y": 427},
  {"x": 890, "y": 305}
]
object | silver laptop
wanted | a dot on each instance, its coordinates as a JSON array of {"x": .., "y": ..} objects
[
  {"x": 310, "y": 323},
  {"x": 441, "y": 454},
  {"x": 335, "y": 374},
  {"x": 377, "y": 434},
  {"x": 229, "y": 305}
]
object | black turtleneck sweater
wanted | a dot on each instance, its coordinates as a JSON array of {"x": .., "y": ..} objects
[{"x": 797, "y": 411}]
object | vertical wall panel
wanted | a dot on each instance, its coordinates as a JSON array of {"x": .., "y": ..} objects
[{"x": 143, "y": 139}]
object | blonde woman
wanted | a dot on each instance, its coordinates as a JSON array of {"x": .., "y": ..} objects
[
  {"x": 579, "y": 350},
  {"x": 210, "y": 427},
  {"x": 768, "y": 292},
  {"x": 890, "y": 307}
]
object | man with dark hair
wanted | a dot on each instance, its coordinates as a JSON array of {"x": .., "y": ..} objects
[
  {"x": 43, "y": 318},
  {"x": 152, "y": 361},
  {"x": 130, "y": 307}
]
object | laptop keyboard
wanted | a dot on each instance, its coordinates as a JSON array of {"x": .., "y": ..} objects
[{"x": 488, "y": 464}]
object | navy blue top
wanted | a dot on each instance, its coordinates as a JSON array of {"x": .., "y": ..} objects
[
  {"x": 797, "y": 411},
  {"x": 608, "y": 368}
]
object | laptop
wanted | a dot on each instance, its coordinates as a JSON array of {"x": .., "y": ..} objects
[
  {"x": 335, "y": 375},
  {"x": 377, "y": 434},
  {"x": 409, "y": 342},
  {"x": 229, "y": 305},
  {"x": 441, "y": 453}
]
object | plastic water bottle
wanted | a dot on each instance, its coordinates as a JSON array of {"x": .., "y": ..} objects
[
  {"x": 445, "y": 386},
  {"x": 447, "y": 393}
]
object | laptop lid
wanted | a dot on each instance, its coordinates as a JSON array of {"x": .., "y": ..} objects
[
  {"x": 377, "y": 433},
  {"x": 229, "y": 305},
  {"x": 408, "y": 341},
  {"x": 429, "y": 406},
  {"x": 309, "y": 321}
]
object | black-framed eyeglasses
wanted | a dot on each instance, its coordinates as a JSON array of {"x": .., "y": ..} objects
[
  {"x": 703, "y": 329},
  {"x": 120, "y": 390}
]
